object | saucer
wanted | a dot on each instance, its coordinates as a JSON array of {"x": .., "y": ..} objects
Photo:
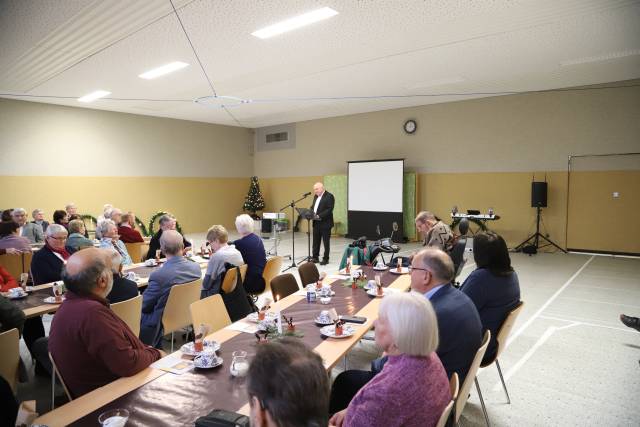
[
  {"x": 52, "y": 300},
  {"x": 374, "y": 293},
  {"x": 330, "y": 331},
  {"x": 403, "y": 270},
  {"x": 209, "y": 347},
  {"x": 253, "y": 317},
  {"x": 320, "y": 322},
  {"x": 17, "y": 296},
  {"x": 380, "y": 268},
  {"x": 150, "y": 263},
  {"x": 201, "y": 362}
]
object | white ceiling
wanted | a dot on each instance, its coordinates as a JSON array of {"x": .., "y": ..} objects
[{"x": 372, "y": 49}]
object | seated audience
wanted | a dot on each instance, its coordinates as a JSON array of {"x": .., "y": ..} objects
[
  {"x": 127, "y": 229},
  {"x": 252, "y": 249},
  {"x": 77, "y": 239},
  {"x": 31, "y": 231},
  {"x": 287, "y": 386},
  {"x": 175, "y": 271},
  {"x": 167, "y": 222},
  {"x": 7, "y": 281},
  {"x": 38, "y": 218},
  {"x": 109, "y": 349},
  {"x": 493, "y": 286},
  {"x": 412, "y": 389},
  {"x": 217, "y": 237},
  {"x": 105, "y": 208},
  {"x": 123, "y": 288},
  {"x": 61, "y": 218},
  {"x": 46, "y": 264},
  {"x": 436, "y": 233},
  {"x": 71, "y": 209},
  {"x": 115, "y": 215},
  {"x": 10, "y": 237},
  {"x": 110, "y": 239}
]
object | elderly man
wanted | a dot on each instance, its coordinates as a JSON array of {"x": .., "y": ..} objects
[
  {"x": 89, "y": 343},
  {"x": 167, "y": 222},
  {"x": 127, "y": 231},
  {"x": 175, "y": 271},
  {"x": 77, "y": 239},
  {"x": 38, "y": 218},
  {"x": 436, "y": 233},
  {"x": 111, "y": 239},
  {"x": 31, "y": 231},
  {"x": 47, "y": 263},
  {"x": 322, "y": 207},
  {"x": 71, "y": 209}
]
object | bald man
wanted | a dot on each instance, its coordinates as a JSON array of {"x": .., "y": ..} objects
[
  {"x": 322, "y": 206},
  {"x": 90, "y": 344}
]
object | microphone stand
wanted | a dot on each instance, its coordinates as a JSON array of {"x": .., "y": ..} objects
[{"x": 293, "y": 230}]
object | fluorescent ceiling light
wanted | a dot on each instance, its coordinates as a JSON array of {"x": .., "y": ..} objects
[
  {"x": 295, "y": 22},
  {"x": 90, "y": 97},
  {"x": 600, "y": 58},
  {"x": 164, "y": 69}
]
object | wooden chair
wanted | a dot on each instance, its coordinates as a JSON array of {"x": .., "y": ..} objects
[
  {"x": 210, "y": 311},
  {"x": 271, "y": 270},
  {"x": 308, "y": 273},
  {"x": 176, "y": 312},
  {"x": 463, "y": 395},
  {"x": 284, "y": 285},
  {"x": 243, "y": 272},
  {"x": 135, "y": 251},
  {"x": 55, "y": 372},
  {"x": 13, "y": 264},
  {"x": 26, "y": 261},
  {"x": 501, "y": 339},
  {"x": 10, "y": 357},
  {"x": 230, "y": 280},
  {"x": 130, "y": 311},
  {"x": 454, "y": 387}
]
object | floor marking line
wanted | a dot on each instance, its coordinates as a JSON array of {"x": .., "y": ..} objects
[
  {"x": 547, "y": 303},
  {"x": 629, "y": 330},
  {"x": 600, "y": 302}
]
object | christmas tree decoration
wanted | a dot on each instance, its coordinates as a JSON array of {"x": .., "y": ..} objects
[{"x": 254, "y": 201}]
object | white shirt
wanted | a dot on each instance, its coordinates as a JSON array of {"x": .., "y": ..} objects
[{"x": 315, "y": 206}]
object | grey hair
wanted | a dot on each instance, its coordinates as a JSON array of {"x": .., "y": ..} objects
[
  {"x": 85, "y": 281},
  {"x": 425, "y": 216},
  {"x": 55, "y": 229},
  {"x": 171, "y": 242},
  {"x": 439, "y": 263},
  {"x": 36, "y": 212},
  {"x": 106, "y": 207},
  {"x": 244, "y": 224},
  {"x": 75, "y": 226},
  {"x": 107, "y": 213},
  {"x": 412, "y": 322},
  {"x": 70, "y": 205},
  {"x": 103, "y": 227},
  {"x": 18, "y": 211},
  {"x": 165, "y": 218}
]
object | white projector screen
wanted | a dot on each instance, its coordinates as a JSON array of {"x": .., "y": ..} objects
[{"x": 375, "y": 186}]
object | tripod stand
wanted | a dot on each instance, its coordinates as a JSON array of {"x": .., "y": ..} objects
[
  {"x": 292, "y": 205},
  {"x": 536, "y": 237}
]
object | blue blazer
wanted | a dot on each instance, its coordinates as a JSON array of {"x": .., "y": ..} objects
[
  {"x": 175, "y": 271},
  {"x": 460, "y": 330}
]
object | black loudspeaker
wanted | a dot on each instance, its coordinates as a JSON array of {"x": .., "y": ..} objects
[
  {"x": 538, "y": 194},
  {"x": 267, "y": 226}
]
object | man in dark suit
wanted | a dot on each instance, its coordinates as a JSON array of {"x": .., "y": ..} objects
[{"x": 322, "y": 206}]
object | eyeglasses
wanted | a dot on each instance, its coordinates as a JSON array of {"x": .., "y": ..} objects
[
  {"x": 411, "y": 268},
  {"x": 61, "y": 239}
]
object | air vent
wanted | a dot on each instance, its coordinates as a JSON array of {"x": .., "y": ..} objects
[{"x": 277, "y": 137}]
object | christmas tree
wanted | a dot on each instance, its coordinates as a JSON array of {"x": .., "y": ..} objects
[{"x": 254, "y": 201}]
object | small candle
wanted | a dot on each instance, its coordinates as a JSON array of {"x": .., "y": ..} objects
[{"x": 279, "y": 322}]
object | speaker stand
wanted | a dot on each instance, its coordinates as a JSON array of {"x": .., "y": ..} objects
[{"x": 537, "y": 236}]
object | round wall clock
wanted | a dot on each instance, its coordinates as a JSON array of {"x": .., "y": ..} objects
[{"x": 410, "y": 126}]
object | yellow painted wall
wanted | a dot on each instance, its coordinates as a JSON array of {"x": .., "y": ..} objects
[
  {"x": 278, "y": 192},
  {"x": 198, "y": 203}
]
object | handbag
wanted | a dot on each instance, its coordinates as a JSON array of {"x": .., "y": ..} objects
[{"x": 222, "y": 418}]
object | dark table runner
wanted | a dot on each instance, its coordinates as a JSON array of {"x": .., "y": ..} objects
[
  {"x": 35, "y": 299},
  {"x": 172, "y": 400}
]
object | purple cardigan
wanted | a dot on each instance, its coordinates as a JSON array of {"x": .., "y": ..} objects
[{"x": 410, "y": 391}]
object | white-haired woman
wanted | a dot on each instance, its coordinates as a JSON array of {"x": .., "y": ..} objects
[
  {"x": 412, "y": 389},
  {"x": 111, "y": 240},
  {"x": 252, "y": 249}
]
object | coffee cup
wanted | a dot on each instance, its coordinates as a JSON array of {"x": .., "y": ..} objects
[
  {"x": 14, "y": 292},
  {"x": 206, "y": 359}
]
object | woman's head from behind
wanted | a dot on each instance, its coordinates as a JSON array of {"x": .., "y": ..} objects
[
  {"x": 407, "y": 324},
  {"x": 8, "y": 228},
  {"x": 490, "y": 251},
  {"x": 60, "y": 217}
]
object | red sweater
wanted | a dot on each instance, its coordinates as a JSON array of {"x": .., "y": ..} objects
[
  {"x": 6, "y": 280},
  {"x": 129, "y": 235},
  {"x": 92, "y": 346}
]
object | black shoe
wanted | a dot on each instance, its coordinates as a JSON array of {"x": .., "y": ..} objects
[
  {"x": 324, "y": 262},
  {"x": 632, "y": 322},
  {"x": 315, "y": 260}
]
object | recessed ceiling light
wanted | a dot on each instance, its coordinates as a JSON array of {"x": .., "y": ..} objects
[
  {"x": 162, "y": 70},
  {"x": 90, "y": 97},
  {"x": 295, "y": 22}
]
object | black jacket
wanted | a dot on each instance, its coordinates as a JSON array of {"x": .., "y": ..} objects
[
  {"x": 325, "y": 209},
  {"x": 154, "y": 245},
  {"x": 123, "y": 289},
  {"x": 46, "y": 267}
]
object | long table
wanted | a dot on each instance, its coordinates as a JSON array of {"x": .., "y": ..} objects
[{"x": 155, "y": 397}]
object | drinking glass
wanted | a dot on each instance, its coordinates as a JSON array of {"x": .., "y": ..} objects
[
  {"x": 239, "y": 363},
  {"x": 114, "y": 418}
]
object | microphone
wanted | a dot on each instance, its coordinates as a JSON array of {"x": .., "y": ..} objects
[{"x": 306, "y": 194}]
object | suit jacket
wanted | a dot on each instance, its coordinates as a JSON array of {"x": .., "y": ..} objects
[
  {"x": 175, "y": 271},
  {"x": 154, "y": 245},
  {"x": 76, "y": 241},
  {"x": 46, "y": 267},
  {"x": 325, "y": 210},
  {"x": 44, "y": 224},
  {"x": 123, "y": 289},
  {"x": 33, "y": 232}
]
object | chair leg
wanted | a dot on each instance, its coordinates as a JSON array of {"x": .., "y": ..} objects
[
  {"x": 484, "y": 410},
  {"x": 345, "y": 362},
  {"x": 171, "y": 342},
  {"x": 53, "y": 388},
  {"x": 504, "y": 386}
]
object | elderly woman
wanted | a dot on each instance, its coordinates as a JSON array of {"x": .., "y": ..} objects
[
  {"x": 412, "y": 389},
  {"x": 77, "y": 239},
  {"x": 46, "y": 264},
  {"x": 31, "y": 231},
  {"x": 110, "y": 239},
  {"x": 252, "y": 249},
  {"x": 38, "y": 218},
  {"x": 223, "y": 253},
  {"x": 61, "y": 217},
  {"x": 493, "y": 286},
  {"x": 10, "y": 237}
]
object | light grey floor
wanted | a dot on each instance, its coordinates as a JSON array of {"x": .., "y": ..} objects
[{"x": 569, "y": 360}]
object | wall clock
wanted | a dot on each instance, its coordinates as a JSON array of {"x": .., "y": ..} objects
[{"x": 410, "y": 126}]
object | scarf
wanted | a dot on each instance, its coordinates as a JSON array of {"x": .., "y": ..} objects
[{"x": 62, "y": 252}]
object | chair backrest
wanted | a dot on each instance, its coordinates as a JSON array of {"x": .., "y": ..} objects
[
  {"x": 308, "y": 273},
  {"x": 210, "y": 311},
  {"x": 243, "y": 271},
  {"x": 463, "y": 395},
  {"x": 238, "y": 303},
  {"x": 453, "y": 387},
  {"x": 505, "y": 330},
  {"x": 10, "y": 356},
  {"x": 230, "y": 280},
  {"x": 13, "y": 264},
  {"x": 176, "y": 313},
  {"x": 442, "y": 421},
  {"x": 26, "y": 261},
  {"x": 56, "y": 372},
  {"x": 463, "y": 226},
  {"x": 283, "y": 285},
  {"x": 271, "y": 270},
  {"x": 130, "y": 311},
  {"x": 135, "y": 251},
  {"x": 457, "y": 255}
]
